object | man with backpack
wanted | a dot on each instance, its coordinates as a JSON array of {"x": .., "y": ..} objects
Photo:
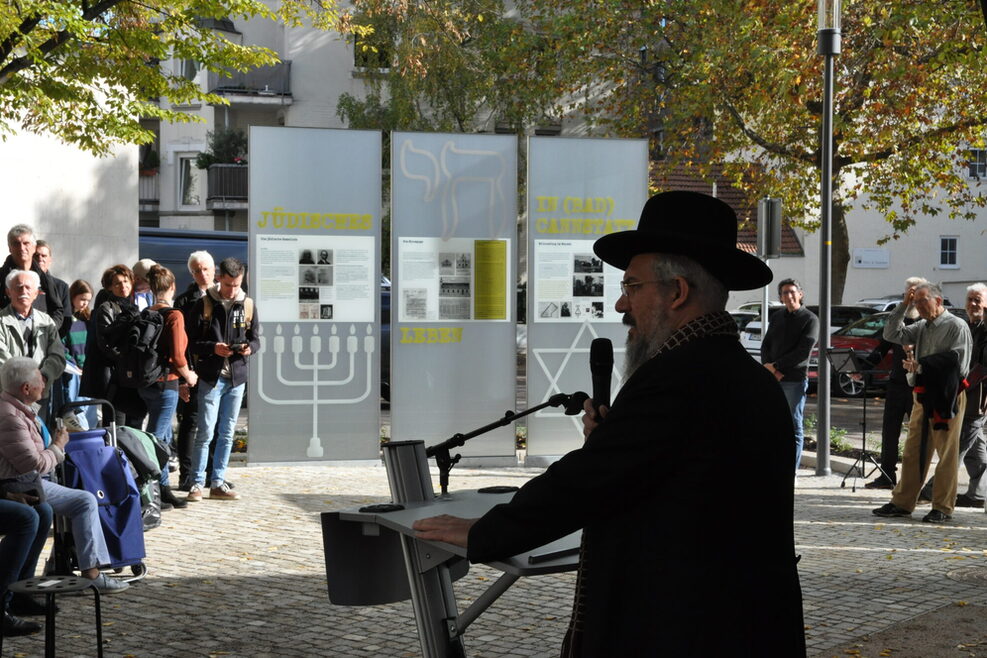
[{"x": 222, "y": 335}]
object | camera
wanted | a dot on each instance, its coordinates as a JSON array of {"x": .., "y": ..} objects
[{"x": 238, "y": 347}]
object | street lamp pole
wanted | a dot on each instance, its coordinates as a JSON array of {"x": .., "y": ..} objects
[{"x": 829, "y": 48}]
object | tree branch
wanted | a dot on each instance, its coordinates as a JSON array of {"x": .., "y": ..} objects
[
  {"x": 59, "y": 38},
  {"x": 770, "y": 147},
  {"x": 884, "y": 154}
]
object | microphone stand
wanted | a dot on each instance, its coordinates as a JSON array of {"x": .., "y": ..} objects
[{"x": 445, "y": 461}]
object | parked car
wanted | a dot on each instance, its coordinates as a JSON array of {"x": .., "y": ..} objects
[
  {"x": 888, "y": 302},
  {"x": 863, "y": 336},
  {"x": 840, "y": 315},
  {"x": 755, "y": 307}
]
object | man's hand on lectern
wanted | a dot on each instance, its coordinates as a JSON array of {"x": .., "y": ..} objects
[{"x": 450, "y": 529}]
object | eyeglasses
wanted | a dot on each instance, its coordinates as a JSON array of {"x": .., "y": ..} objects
[{"x": 627, "y": 288}]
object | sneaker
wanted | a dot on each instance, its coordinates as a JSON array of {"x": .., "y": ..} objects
[
  {"x": 880, "y": 483},
  {"x": 223, "y": 492},
  {"x": 924, "y": 497},
  {"x": 964, "y": 500},
  {"x": 935, "y": 516},
  {"x": 14, "y": 627},
  {"x": 194, "y": 494},
  {"x": 890, "y": 509},
  {"x": 107, "y": 585}
]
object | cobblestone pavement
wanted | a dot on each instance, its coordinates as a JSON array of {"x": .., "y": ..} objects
[{"x": 246, "y": 578}]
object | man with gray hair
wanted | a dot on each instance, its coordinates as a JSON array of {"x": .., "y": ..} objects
[
  {"x": 22, "y": 246},
  {"x": 897, "y": 400},
  {"x": 202, "y": 267},
  {"x": 936, "y": 366},
  {"x": 26, "y": 331},
  {"x": 27, "y": 447},
  {"x": 645, "y": 587},
  {"x": 972, "y": 450}
]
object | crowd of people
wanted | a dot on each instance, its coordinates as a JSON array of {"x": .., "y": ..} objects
[{"x": 62, "y": 343}]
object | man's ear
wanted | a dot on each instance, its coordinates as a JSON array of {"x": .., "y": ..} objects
[{"x": 681, "y": 292}]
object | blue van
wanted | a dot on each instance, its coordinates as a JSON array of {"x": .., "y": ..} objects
[{"x": 171, "y": 248}]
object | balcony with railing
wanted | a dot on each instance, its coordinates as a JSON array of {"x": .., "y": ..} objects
[
  {"x": 148, "y": 190},
  {"x": 226, "y": 186},
  {"x": 265, "y": 85}
]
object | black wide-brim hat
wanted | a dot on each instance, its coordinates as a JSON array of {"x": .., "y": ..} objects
[{"x": 694, "y": 225}]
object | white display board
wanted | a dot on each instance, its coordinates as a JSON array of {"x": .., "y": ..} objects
[
  {"x": 578, "y": 191},
  {"x": 453, "y": 228},
  {"x": 314, "y": 389}
]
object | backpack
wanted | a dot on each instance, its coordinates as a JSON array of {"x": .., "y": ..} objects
[{"x": 136, "y": 335}]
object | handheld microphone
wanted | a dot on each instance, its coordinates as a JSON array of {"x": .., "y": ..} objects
[{"x": 601, "y": 370}]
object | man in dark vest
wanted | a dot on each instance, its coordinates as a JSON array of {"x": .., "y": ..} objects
[
  {"x": 22, "y": 245},
  {"x": 663, "y": 570}
]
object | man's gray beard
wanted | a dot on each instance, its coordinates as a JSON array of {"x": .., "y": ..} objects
[{"x": 643, "y": 348}]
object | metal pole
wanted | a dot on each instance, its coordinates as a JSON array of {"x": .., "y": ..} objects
[{"x": 829, "y": 47}]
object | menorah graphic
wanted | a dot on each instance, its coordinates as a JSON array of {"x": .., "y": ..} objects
[{"x": 315, "y": 349}]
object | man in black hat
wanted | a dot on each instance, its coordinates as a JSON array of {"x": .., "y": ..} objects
[{"x": 663, "y": 570}]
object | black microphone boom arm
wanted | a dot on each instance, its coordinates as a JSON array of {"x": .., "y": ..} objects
[{"x": 445, "y": 461}]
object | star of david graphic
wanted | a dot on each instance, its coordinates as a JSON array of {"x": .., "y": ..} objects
[{"x": 580, "y": 345}]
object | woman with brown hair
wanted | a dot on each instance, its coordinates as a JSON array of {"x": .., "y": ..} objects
[
  {"x": 80, "y": 294},
  {"x": 161, "y": 397},
  {"x": 97, "y": 376}
]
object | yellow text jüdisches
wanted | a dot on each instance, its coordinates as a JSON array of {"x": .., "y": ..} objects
[
  {"x": 588, "y": 216},
  {"x": 341, "y": 221},
  {"x": 428, "y": 335}
]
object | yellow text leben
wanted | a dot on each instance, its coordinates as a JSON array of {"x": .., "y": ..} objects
[
  {"x": 429, "y": 335},
  {"x": 340, "y": 221}
]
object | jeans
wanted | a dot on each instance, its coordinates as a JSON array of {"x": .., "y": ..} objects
[
  {"x": 795, "y": 394},
  {"x": 161, "y": 399},
  {"x": 23, "y": 531},
  {"x": 81, "y": 509},
  {"x": 219, "y": 406}
]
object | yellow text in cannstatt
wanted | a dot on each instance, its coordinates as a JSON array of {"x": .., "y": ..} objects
[
  {"x": 339, "y": 221},
  {"x": 581, "y": 215},
  {"x": 431, "y": 335}
]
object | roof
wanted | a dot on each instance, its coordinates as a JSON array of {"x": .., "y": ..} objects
[{"x": 742, "y": 204}]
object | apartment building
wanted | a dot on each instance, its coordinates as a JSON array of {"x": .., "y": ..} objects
[{"x": 302, "y": 91}]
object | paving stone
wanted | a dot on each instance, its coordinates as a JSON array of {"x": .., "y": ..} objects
[{"x": 246, "y": 578}]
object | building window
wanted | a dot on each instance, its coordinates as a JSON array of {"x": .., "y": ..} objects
[
  {"x": 372, "y": 53},
  {"x": 949, "y": 251},
  {"x": 188, "y": 68},
  {"x": 978, "y": 163},
  {"x": 188, "y": 182}
]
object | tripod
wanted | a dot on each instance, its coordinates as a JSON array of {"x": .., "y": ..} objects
[{"x": 845, "y": 360}]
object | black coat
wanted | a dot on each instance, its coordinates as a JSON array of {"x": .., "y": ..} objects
[{"x": 685, "y": 496}]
